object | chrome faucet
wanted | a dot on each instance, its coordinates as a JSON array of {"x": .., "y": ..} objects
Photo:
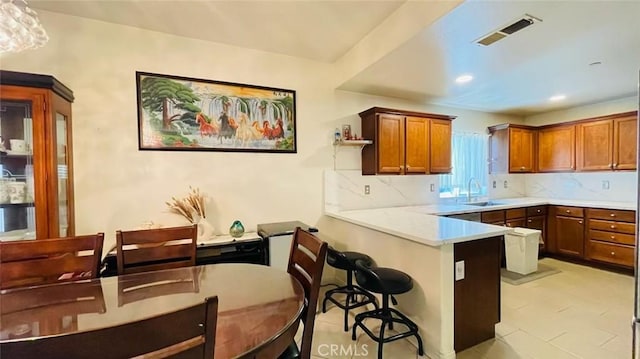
[{"x": 472, "y": 180}]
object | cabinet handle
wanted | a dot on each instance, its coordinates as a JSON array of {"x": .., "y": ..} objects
[
  {"x": 610, "y": 165},
  {"x": 528, "y": 220},
  {"x": 615, "y": 165},
  {"x": 613, "y": 237},
  {"x": 613, "y": 226},
  {"x": 613, "y": 254},
  {"x": 408, "y": 166},
  {"x": 522, "y": 168},
  {"x": 539, "y": 211},
  {"x": 579, "y": 222},
  {"x": 612, "y": 215},
  {"x": 568, "y": 211}
]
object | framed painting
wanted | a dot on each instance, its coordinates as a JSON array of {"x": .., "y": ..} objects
[{"x": 186, "y": 114}]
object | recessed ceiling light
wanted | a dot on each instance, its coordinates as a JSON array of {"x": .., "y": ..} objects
[
  {"x": 557, "y": 98},
  {"x": 464, "y": 79}
]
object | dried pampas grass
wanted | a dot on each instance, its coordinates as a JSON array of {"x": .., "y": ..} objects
[{"x": 190, "y": 206}]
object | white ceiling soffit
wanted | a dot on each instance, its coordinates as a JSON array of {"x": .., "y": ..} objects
[
  {"x": 519, "y": 73},
  {"x": 317, "y": 30}
]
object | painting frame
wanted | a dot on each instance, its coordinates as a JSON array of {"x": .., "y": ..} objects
[{"x": 177, "y": 113}]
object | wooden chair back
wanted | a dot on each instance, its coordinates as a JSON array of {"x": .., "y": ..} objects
[
  {"x": 306, "y": 262},
  {"x": 45, "y": 261},
  {"x": 186, "y": 333},
  {"x": 153, "y": 249},
  {"x": 54, "y": 308},
  {"x": 133, "y": 288}
]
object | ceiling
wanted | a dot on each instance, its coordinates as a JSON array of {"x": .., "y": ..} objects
[{"x": 516, "y": 75}]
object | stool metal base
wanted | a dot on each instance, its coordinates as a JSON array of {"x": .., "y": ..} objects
[
  {"x": 352, "y": 292},
  {"x": 386, "y": 316}
]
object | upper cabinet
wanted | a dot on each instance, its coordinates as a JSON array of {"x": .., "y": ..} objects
[
  {"x": 556, "y": 148},
  {"x": 607, "y": 143},
  {"x": 36, "y": 188},
  {"x": 405, "y": 142},
  {"x": 511, "y": 149}
]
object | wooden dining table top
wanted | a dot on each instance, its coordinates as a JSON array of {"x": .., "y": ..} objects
[{"x": 257, "y": 304}]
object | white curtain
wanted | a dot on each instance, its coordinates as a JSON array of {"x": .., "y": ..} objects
[{"x": 469, "y": 153}]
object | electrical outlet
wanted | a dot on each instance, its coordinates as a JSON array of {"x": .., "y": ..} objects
[
  {"x": 605, "y": 184},
  {"x": 506, "y": 184},
  {"x": 367, "y": 189},
  {"x": 432, "y": 187},
  {"x": 460, "y": 270},
  {"x": 494, "y": 184}
]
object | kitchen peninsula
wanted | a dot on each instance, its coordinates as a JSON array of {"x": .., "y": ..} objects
[{"x": 453, "y": 310}]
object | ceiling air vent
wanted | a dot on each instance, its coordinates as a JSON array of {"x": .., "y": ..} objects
[{"x": 510, "y": 29}]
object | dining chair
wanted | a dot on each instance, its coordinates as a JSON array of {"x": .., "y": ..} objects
[
  {"x": 186, "y": 333},
  {"x": 45, "y": 261},
  {"x": 49, "y": 310},
  {"x": 154, "y": 249},
  {"x": 133, "y": 288},
  {"x": 306, "y": 262}
]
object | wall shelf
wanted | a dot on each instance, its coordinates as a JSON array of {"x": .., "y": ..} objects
[{"x": 348, "y": 143}]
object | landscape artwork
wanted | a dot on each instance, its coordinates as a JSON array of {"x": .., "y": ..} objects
[{"x": 179, "y": 113}]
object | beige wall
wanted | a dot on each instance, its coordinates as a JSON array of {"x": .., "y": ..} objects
[
  {"x": 119, "y": 187},
  {"x": 587, "y": 111}
]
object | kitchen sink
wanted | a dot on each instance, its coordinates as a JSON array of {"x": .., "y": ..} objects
[{"x": 484, "y": 204}]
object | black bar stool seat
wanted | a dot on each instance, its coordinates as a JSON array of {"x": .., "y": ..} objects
[
  {"x": 386, "y": 281},
  {"x": 347, "y": 261}
]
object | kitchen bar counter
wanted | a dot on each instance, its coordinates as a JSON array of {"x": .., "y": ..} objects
[{"x": 410, "y": 223}]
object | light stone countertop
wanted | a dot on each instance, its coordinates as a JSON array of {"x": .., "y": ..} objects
[
  {"x": 424, "y": 224},
  {"x": 419, "y": 227}
]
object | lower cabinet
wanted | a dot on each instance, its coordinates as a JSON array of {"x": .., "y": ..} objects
[
  {"x": 570, "y": 236},
  {"x": 611, "y": 236}
]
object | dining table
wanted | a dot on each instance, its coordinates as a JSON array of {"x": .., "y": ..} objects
[{"x": 258, "y": 306}]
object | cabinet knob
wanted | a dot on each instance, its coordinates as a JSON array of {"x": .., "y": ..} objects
[
  {"x": 610, "y": 165},
  {"x": 613, "y": 237},
  {"x": 408, "y": 166},
  {"x": 615, "y": 165},
  {"x": 522, "y": 168},
  {"x": 539, "y": 211},
  {"x": 580, "y": 222},
  {"x": 613, "y": 226},
  {"x": 528, "y": 220},
  {"x": 612, "y": 215},
  {"x": 568, "y": 211},
  {"x": 613, "y": 253}
]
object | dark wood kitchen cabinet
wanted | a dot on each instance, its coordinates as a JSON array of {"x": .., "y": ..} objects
[
  {"x": 607, "y": 143},
  {"x": 405, "y": 142},
  {"x": 569, "y": 231},
  {"x": 611, "y": 236},
  {"x": 511, "y": 149},
  {"x": 556, "y": 148}
]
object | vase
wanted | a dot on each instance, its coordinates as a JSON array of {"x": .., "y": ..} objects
[
  {"x": 205, "y": 229},
  {"x": 236, "y": 230}
]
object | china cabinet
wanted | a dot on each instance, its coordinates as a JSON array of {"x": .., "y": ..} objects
[{"x": 36, "y": 188}]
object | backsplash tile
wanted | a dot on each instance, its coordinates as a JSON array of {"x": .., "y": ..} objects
[
  {"x": 344, "y": 190},
  {"x": 583, "y": 186}
]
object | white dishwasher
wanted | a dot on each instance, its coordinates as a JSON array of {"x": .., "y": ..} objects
[{"x": 278, "y": 237}]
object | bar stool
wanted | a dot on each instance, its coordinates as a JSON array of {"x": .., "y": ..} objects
[
  {"x": 386, "y": 281},
  {"x": 346, "y": 261}
]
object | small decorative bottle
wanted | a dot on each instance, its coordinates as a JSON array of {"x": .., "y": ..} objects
[{"x": 237, "y": 229}]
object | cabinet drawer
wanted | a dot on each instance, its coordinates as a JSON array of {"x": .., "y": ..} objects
[
  {"x": 516, "y": 223},
  {"x": 611, "y": 226},
  {"x": 536, "y": 211},
  {"x": 515, "y": 213},
  {"x": 492, "y": 216},
  {"x": 629, "y": 239},
  {"x": 569, "y": 211},
  {"x": 611, "y": 253},
  {"x": 612, "y": 215}
]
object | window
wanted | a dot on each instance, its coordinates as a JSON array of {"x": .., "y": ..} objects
[{"x": 469, "y": 160}]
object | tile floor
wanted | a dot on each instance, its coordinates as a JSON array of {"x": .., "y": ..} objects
[{"x": 580, "y": 312}]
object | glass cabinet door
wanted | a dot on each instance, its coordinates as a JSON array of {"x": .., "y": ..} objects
[
  {"x": 63, "y": 173},
  {"x": 17, "y": 190}
]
